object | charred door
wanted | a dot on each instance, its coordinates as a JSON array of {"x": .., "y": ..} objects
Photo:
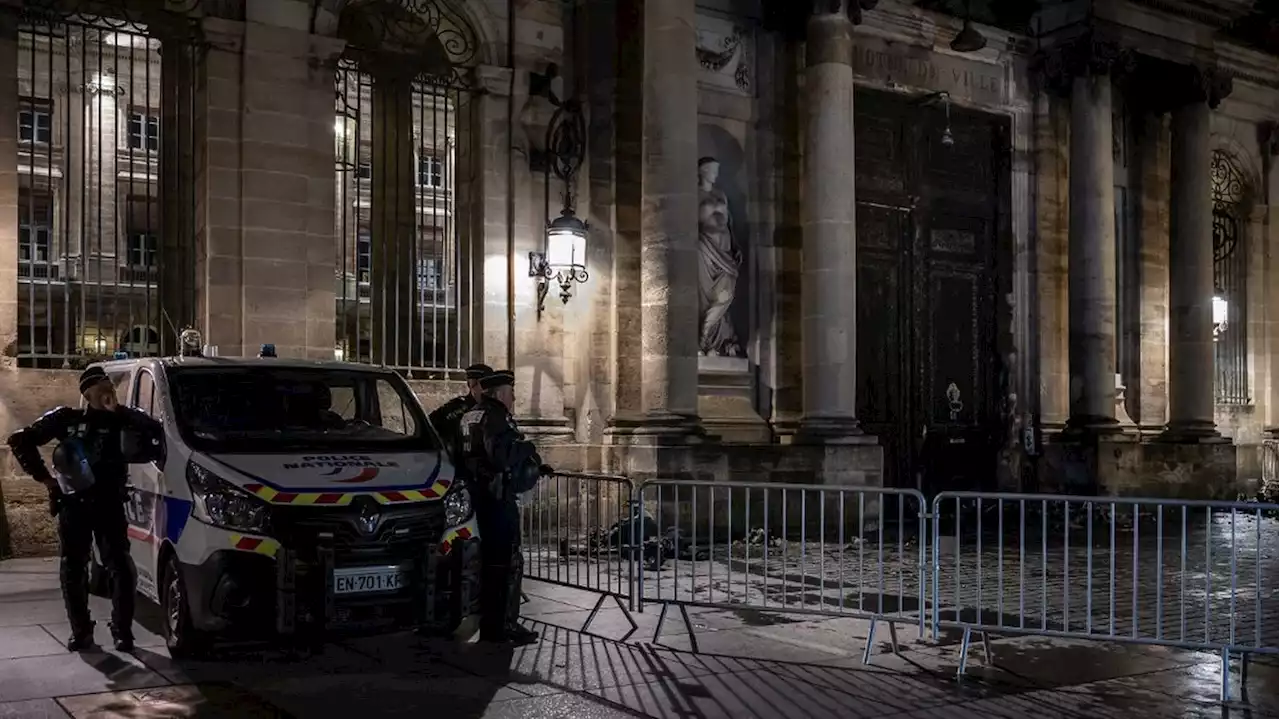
[{"x": 930, "y": 233}]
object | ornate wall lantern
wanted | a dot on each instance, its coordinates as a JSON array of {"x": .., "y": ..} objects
[
  {"x": 564, "y": 256},
  {"x": 1221, "y": 311}
]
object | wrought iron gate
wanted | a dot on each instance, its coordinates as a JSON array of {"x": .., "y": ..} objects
[{"x": 104, "y": 243}]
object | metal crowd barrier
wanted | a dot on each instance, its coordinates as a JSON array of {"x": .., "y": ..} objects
[
  {"x": 847, "y": 551},
  {"x": 1196, "y": 575},
  {"x": 577, "y": 532}
]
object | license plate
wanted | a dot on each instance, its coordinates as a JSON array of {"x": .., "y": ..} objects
[{"x": 361, "y": 580}]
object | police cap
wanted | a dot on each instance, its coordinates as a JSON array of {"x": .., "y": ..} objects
[
  {"x": 477, "y": 371},
  {"x": 90, "y": 377},
  {"x": 498, "y": 378}
]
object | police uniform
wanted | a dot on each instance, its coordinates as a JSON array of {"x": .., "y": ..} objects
[
  {"x": 91, "y": 454},
  {"x": 500, "y": 464},
  {"x": 446, "y": 417}
]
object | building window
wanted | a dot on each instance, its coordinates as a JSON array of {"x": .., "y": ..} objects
[
  {"x": 142, "y": 248},
  {"x": 1231, "y": 381},
  {"x": 364, "y": 171},
  {"x": 35, "y": 227},
  {"x": 144, "y": 131},
  {"x": 35, "y": 122},
  {"x": 429, "y": 274},
  {"x": 364, "y": 255},
  {"x": 430, "y": 171}
]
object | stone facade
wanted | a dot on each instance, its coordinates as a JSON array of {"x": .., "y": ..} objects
[{"x": 1074, "y": 291}]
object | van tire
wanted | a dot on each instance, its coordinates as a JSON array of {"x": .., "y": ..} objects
[{"x": 183, "y": 640}]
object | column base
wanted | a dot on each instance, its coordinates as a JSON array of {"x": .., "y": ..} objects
[
  {"x": 546, "y": 429},
  {"x": 831, "y": 430},
  {"x": 1083, "y": 426},
  {"x": 655, "y": 428},
  {"x": 1191, "y": 432}
]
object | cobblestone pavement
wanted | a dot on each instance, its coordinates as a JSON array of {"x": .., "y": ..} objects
[{"x": 749, "y": 664}]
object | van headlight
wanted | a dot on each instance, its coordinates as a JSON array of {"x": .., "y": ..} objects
[
  {"x": 220, "y": 503},
  {"x": 457, "y": 507}
]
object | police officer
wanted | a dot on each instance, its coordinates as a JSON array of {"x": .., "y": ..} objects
[
  {"x": 91, "y": 459},
  {"x": 499, "y": 464},
  {"x": 445, "y": 418}
]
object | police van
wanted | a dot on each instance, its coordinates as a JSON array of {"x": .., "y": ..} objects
[{"x": 295, "y": 498}]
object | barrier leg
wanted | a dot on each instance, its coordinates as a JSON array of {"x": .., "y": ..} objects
[
  {"x": 964, "y": 652},
  {"x": 986, "y": 649},
  {"x": 625, "y": 613},
  {"x": 662, "y": 617},
  {"x": 893, "y": 639},
  {"x": 688, "y": 627},
  {"x": 871, "y": 638}
]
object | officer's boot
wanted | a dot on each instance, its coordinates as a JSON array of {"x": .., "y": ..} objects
[
  {"x": 75, "y": 595},
  {"x": 516, "y": 633}
]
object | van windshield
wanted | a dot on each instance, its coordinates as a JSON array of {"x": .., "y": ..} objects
[{"x": 271, "y": 409}]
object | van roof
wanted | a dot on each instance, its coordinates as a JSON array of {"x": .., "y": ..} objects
[{"x": 246, "y": 362}]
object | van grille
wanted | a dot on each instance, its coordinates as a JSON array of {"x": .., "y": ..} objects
[{"x": 402, "y": 533}]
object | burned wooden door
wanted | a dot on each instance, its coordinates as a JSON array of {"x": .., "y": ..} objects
[{"x": 928, "y": 231}]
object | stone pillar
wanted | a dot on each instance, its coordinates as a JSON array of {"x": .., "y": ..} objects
[
  {"x": 265, "y": 187},
  {"x": 1091, "y": 256},
  {"x": 829, "y": 294},
  {"x": 669, "y": 221},
  {"x": 396, "y": 331},
  {"x": 1191, "y": 353},
  {"x": 8, "y": 184},
  {"x": 177, "y": 264}
]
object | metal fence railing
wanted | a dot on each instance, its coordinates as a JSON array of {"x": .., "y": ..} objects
[
  {"x": 577, "y": 532},
  {"x": 1191, "y": 574},
  {"x": 1195, "y": 575},
  {"x": 804, "y": 549}
]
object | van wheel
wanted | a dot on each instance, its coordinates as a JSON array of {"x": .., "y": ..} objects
[{"x": 182, "y": 639}]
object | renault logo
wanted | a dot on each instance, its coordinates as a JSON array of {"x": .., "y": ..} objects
[{"x": 370, "y": 517}]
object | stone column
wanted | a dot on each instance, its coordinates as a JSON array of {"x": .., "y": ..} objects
[
  {"x": 8, "y": 183},
  {"x": 1091, "y": 241},
  {"x": 396, "y": 332},
  {"x": 265, "y": 188},
  {"x": 1191, "y": 354},
  {"x": 669, "y": 221},
  {"x": 828, "y": 294}
]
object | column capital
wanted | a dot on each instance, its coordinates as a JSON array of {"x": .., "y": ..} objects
[
  {"x": 1086, "y": 55},
  {"x": 493, "y": 79},
  {"x": 791, "y": 19},
  {"x": 851, "y": 9},
  {"x": 1162, "y": 86}
]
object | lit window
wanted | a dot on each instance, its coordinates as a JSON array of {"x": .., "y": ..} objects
[
  {"x": 142, "y": 248},
  {"x": 144, "y": 132},
  {"x": 430, "y": 171},
  {"x": 364, "y": 255},
  {"x": 1230, "y": 268},
  {"x": 35, "y": 227},
  {"x": 35, "y": 124},
  {"x": 429, "y": 273}
]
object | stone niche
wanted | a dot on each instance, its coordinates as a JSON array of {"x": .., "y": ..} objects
[
  {"x": 1124, "y": 467},
  {"x": 728, "y": 290}
]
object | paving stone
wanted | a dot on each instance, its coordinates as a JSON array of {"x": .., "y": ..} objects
[
  {"x": 212, "y": 701},
  {"x": 32, "y": 709},
  {"x": 29, "y": 641},
  {"x": 65, "y": 674}
]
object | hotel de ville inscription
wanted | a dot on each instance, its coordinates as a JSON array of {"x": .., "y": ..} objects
[{"x": 911, "y": 66}]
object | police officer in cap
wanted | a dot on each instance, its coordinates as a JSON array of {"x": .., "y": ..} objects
[
  {"x": 445, "y": 418},
  {"x": 96, "y": 446},
  {"x": 500, "y": 464}
]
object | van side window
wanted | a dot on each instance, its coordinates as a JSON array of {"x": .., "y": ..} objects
[
  {"x": 395, "y": 416},
  {"x": 144, "y": 393}
]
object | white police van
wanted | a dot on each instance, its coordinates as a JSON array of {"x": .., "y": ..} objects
[{"x": 296, "y": 498}]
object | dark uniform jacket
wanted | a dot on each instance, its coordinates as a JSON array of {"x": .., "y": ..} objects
[
  {"x": 499, "y": 462},
  {"x": 446, "y": 419},
  {"x": 103, "y": 435}
]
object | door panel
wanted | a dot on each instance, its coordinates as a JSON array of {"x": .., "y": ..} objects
[
  {"x": 926, "y": 235},
  {"x": 146, "y": 505}
]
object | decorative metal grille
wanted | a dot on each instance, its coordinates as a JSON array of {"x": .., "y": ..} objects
[
  {"x": 1231, "y": 384},
  {"x": 404, "y": 295},
  {"x": 92, "y": 179}
]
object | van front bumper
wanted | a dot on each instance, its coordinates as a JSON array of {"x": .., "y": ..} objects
[{"x": 237, "y": 594}]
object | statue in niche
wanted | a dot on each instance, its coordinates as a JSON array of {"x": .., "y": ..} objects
[{"x": 718, "y": 262}]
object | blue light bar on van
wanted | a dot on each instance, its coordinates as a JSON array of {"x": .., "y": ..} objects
[
  {"x": 120, "y": 355},
  {"x": 268, "y": 350}
]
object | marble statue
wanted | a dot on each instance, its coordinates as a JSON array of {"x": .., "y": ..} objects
[{"x": 718, "y": 262}]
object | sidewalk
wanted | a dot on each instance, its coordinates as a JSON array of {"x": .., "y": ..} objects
[{"x": 750, "y": 665}]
